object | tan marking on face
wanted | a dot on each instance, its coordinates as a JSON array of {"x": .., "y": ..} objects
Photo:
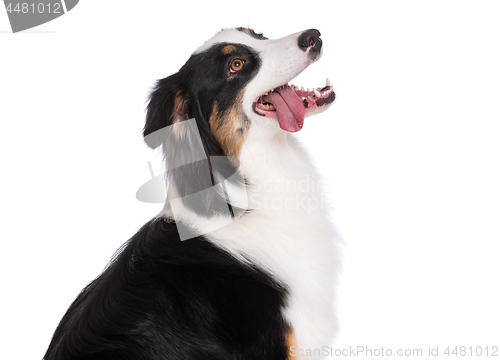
[
  {"x": 228, "y": 49},
  {"x": 227, "y": 127},
  {"x": 252, "y": 32}
]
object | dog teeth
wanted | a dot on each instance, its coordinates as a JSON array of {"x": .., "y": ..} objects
[
  {"x": 327, "y": 82},
  {"x": 267, "y": 92},
  {"x": 317, "y": 93},
  {"x": 268, "y": 107}
]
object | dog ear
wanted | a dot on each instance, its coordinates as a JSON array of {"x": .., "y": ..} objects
[
  {"x": 197, "y": 165},
  {"x": 168, "y": 105}
]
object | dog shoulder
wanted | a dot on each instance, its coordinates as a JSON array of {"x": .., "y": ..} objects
[{"x": 159, "y": 292}]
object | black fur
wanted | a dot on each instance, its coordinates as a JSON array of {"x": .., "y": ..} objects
[{"x": 162, "y": 298}]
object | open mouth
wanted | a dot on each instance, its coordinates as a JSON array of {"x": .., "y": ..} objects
[{"x": 290, "y": 105}]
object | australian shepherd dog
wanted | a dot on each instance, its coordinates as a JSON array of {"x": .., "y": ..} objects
[{"x": 241, "y": 261}]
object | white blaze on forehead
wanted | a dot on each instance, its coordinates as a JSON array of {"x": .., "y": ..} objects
[{"x": 233, "y": 36}]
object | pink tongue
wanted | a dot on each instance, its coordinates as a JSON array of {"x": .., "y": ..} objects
[{"x": 289, "y": 108}]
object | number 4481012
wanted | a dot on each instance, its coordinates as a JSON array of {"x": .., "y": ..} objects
[
  {"x": 40, "y": 8},
  {"x": 471, "y": 351}
]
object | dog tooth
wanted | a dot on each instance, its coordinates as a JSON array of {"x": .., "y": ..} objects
[
  {"x": 302, "y": 88},
  {"x": 317, "y": 93},
  {"x": 327, "y": 82}
]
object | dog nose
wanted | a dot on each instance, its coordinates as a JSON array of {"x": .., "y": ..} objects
[{"x": 310, "y": 39}]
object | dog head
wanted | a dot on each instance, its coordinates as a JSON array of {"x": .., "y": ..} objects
[
  {"x": 233, "y": 85},
  {"x": 236, "y": 81}
]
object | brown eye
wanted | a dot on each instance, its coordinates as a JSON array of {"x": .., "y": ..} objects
[{"x": 237, "y": 65}]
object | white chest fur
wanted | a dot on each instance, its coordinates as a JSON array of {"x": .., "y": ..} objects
[{"x": 288, "y": 233}]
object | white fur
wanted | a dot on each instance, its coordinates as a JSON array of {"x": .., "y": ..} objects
[{"x": 288, "y": 231}]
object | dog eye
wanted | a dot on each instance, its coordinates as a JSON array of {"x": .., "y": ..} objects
[{"x": 236, "y": 65}]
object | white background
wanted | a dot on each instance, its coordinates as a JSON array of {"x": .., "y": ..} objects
[{"x": 411, "y": 149}]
